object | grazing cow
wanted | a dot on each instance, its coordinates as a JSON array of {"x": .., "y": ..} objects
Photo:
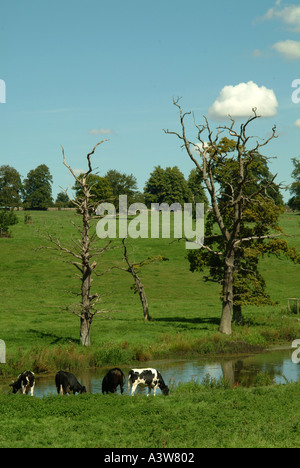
[
  {"x": 66, "y": 383},
  {"x": 24, "y": 383},
  {"x": 150, "y": 378},
  {"x": 112, "y": 379}
]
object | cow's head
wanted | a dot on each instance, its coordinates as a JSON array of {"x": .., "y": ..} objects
[
  {"x": 15, "y": 387},
  {"x": 165, "y": 390},
  {"x": 83, "y": 390}
]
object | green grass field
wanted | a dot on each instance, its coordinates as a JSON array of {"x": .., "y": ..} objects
[
  {"x": 35, "y": 291},
  {"x": 190, "y": 417},
  {"x": 42, "y": 336}
]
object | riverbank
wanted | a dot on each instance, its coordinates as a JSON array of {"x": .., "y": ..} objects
[
  {"x": 181, "y": 338},
  {"x": 73, "y": 357}
]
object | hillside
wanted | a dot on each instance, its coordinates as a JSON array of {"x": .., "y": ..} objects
[{"x": 36, "y": 289}]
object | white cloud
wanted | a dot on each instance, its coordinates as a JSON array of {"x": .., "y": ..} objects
[
  {"x": 297, "y": 123},
  {"x": 238, "y": 101},
  {"x": 101, "y": 131},
  {"x": 289, "y": 49},
  {"x": 290, "y": 15}
]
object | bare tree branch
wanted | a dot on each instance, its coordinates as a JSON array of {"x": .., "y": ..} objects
[{"x": 251, "y": 238}]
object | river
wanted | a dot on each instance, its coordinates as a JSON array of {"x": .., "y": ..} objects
[{"x": 238, "y": 370}]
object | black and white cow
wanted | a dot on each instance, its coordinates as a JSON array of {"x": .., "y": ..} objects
[
  {"x": 66, "y": 383},
  {"x": 24, "y": 383},
  {"x": 112, "y": 379},
  {"x": 150, "y": 378}
]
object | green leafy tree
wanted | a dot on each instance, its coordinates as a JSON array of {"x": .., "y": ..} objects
[
  {"x": 260, "y": 217},
  {"x": 237, "y": 197},
  {"x": 37, "y": 189},
  {"x": 167, "y": 186},
  {"x": 122, "y": 184},
  {"x": 10, "y": 187},
  {"x": 294, "y": 202},
  {"x": 63, "y": 201},
  {"x": 99, "y": 189}
]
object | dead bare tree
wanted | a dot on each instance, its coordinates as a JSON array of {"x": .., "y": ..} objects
[
  {"x": 132, "y": 269},
  {"x": 83, "y": 250},
  {"x": 207, "y": 146},
  {"x": 138, "y": 285}
]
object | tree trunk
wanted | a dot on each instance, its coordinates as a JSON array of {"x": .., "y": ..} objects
[
  {"x": 237, "y": 314},
  {"x": 142, "y": 294},
  {"x": 86, "y": 307},
  {"x": 144, "y": 304},
  {"x": 86, "y": 304},
  {"x": 227, "y": 309},
  {"x": 85, "y": 330}
]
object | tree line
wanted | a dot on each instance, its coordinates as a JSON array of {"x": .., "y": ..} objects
[{"x": 163, "y": 186}]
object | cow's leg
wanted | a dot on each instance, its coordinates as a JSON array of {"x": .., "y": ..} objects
[
  {"x": 32, "y": 390},
  {"x": 149, "y": 390},
  {"x": 133, "y": 388},
  {"x": 61, "y": 389}
]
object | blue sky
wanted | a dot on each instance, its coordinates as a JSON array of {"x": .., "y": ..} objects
[{"x": 77, "y": 72}]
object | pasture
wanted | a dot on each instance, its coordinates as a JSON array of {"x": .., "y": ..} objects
[{"x": 41, "y": 335}]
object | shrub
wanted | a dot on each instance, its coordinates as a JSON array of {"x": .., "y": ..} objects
[{"x": 7, "y": 218}]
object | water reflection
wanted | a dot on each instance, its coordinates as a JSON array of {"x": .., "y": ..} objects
[{"x": 236, "y": 370}]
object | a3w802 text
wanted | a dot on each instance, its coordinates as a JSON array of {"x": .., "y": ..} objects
[{"x": 174, "y": 457}]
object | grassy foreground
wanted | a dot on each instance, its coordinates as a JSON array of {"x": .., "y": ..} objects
[
  {"x": 190, "y": 417},
  {"x": 41, "y": 335}
]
